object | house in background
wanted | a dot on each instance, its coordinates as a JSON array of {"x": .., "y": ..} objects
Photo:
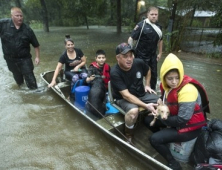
[{"x": 203, "y": 17}]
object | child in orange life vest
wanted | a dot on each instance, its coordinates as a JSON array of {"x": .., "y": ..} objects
[
  {"x": 99, "y": 68},
  {"x": 98, "y": 78},
  {"x": 187, "y": 101}
]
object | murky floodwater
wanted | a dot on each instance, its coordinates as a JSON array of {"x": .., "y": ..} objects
[{"x": 40, "y": 131}]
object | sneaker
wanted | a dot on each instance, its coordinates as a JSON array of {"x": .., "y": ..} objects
[{"x": 175, "y": 165}]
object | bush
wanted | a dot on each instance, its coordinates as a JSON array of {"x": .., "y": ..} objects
[
  {"x": 35, "y": 24},
  {"x": 214, "y": 55}
]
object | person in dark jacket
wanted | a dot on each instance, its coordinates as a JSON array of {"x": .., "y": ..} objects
[
  {"x": 16, "y": 38},
  {"x": 148, "y": 34}
]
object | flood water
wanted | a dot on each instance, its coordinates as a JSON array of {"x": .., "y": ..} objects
[{"x": 40, "y": 131}]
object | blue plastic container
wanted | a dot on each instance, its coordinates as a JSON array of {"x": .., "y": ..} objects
[{"x": 81, "y": 96}]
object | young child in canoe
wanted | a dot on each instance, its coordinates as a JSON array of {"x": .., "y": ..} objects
[{"x": 98, "y": 78}]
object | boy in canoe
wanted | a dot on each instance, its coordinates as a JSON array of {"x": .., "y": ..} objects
[
  {"x": 98, "y": 78},
  {"x": 100, "y": 67}
]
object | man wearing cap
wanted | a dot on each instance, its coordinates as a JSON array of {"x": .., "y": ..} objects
[{"x": 128, "y": 88}]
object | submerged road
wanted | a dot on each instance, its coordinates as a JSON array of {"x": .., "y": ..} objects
[{"x": 40, "y": 131}]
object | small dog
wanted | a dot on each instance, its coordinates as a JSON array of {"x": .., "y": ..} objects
[{"x": 163, "y": 111}]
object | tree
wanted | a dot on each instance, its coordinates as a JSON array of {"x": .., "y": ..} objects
[
  {"x": 44, "y": 16},
  {"x": 5, "y": 9},
  {"x": 136, "y": 11},
  {"x": 217, "y": 20},
  {"x": 112, "y": 6},
  {"x": 119, "y": 21},
  {"x": 18, "y": 3},
  {"x": 190, "y": 6}
]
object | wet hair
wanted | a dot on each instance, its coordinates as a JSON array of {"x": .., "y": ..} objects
[
  {"x": 68, "y": 38},
  {"x": 172, "y": 70},
  {"x": 100, "y": 52},
  {"x": 14, "y": 9},
  {"x": 152, "y": 8}
]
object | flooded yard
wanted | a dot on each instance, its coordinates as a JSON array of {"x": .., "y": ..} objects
[{"x": 40, "y": 131}]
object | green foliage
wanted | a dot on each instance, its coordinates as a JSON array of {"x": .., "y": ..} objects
[
  {"x": 168, "y": 43},
  {"x": 129, "y": 23},
  {"x": 218, "y": 39},
  {"x": 217, "y": 19},
  {"x": 197, "y": 23},
  {"x": 5, "y": 7},
  {"x": 96, "y": 21},
  {"x": 72, "y": 13},
  {"x": 103, "y": 12},
  {"x": 156, "y": 3},
  {"x": 34, "y": 12},
  {"x": 35, "y": 24},
  {"x": 214, "y": 55},
  {"x": 164, "y": 17},
  {"x": 181, "y": 22}
]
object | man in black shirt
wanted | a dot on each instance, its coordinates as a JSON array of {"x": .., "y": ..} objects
[
  {"x": 16, "y": 38},
  {"x": 148, "y": 34},
  {"x": 127, "y": 86}
]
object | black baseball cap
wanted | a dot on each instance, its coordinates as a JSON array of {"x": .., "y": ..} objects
[{"x": 123, "y": 48}]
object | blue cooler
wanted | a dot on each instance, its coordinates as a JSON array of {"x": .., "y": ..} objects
[{"x": 81, "y": 96}]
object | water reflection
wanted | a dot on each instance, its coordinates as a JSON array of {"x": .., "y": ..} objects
[
  {"x": 211, "y": 78},
  {"x": 40, "y": 131}
]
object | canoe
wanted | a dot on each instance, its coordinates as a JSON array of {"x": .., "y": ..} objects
[{"x": 112, "y": 125}]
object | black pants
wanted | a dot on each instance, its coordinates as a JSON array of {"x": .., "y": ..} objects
[
  {"x": 22, "y": 69},
  {"x": 152, "y": 63},
  {"x": 161, "y": 138}
]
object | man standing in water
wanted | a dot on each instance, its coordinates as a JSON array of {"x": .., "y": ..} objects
[
  {"x": 16, "y": 38},
  {"x": 149, "y": 36}
]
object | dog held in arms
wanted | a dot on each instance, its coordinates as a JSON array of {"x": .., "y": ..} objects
[
  {"x": 162, "y": 111},
  {"x": 97, "y": 95}
]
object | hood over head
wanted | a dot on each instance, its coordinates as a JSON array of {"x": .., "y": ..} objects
[{"x": 171, "y": 62}]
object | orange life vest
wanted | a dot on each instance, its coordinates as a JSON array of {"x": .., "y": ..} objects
[
  {"x": 198, "y": 118},
  {"x": 105, "y": 73}
]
